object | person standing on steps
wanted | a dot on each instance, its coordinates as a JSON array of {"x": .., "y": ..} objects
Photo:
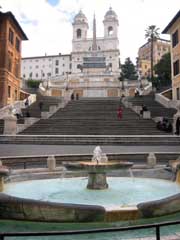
[
  {"x": 77, "y": 96},
  {"x": 26, "y": 103},
  {"x": 177, "y": 126},
  {"x": 119, "y": 112},
  {"x": 40, "y": 105}
]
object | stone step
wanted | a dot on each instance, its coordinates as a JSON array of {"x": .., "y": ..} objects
[{"x": 91, "y": 139}]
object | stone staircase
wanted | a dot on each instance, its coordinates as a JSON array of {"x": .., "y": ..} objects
[
  {"x": 156, "y": 109},
  {"x": 93, "y": 117},
  {"x": 47, "y": 101}
]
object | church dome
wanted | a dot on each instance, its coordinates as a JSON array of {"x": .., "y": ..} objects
[
  {"x": 110, "y": 14},
  {"x": 80, "y": 18}
]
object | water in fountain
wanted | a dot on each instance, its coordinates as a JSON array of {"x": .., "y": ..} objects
[
  {"x": 99, "y": 156},
  {"x": 131, "y": 174},
  {"x": 63, "y": 173}
]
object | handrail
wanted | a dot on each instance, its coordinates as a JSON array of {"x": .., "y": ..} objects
[{"x": 90, "y": 231}]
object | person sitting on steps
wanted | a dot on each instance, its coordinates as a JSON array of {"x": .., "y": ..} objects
[{"x": 144, "y": 109}]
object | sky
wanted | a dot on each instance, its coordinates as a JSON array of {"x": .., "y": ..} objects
[{"x": 48, "y": 23}]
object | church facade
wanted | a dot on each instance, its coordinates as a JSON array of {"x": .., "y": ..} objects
[
  {"x": 93, "y": 67},
  {"x": 95, "y": 61}
]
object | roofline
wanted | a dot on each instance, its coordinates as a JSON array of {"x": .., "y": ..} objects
[
  {"x": 12, "y": 17},
  {"x": 161, "y": 39},
  {"x": 47, "y": 56},
  {"x": 171, "y": 23}
]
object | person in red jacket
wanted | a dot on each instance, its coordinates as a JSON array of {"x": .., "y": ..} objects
[{"x": 119, "y": 112}]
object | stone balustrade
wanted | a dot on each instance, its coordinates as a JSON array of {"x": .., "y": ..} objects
[{"x": 28, "y": 121}]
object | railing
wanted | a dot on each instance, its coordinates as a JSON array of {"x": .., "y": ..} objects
[{"x": 156, "y": 226}]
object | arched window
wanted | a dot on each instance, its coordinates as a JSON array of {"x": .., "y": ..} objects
[
  {"x": 78, "y": 32},
  {"x": 110, "y": 31}
]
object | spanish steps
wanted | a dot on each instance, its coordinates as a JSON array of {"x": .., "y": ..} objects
[
  {"x": 47, "y": 101},
  {"x": 92, "y": 116},
  {"x": 156, "y": 109}
]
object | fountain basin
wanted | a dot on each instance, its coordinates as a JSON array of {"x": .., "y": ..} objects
[
  {"x": 97, "y": 167},
  {"x": 97, "y": 179},
  {"x": 16, "y": 203},
  {"x": 4, "y": 171}
]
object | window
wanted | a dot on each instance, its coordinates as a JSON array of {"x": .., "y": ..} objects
[
  {"x": 48, "y": 74},
  {"x": 36, "y": 75},
  {"x": 175, "y": 39},
  {"x": 24, "y": 76},
  {"x": 176, "y": 67},
  {"x": 37, "y": 66},
  {"x": 110, "y": 31},
  {"x": 178, "y": 93},
  {"x": 11, "y": 36},
  {"x": 37, "y": 60},
  {"x": 56, "y": 70},
  {"x": 78, "y": 33},
  {"x": 9, "y": 91},
  {"x": 15, "y": 94},
  {"x": 63, "y": 65},
  {"x": 17, "y": 44},
  {"x": 9, "y": 66},
  {"x": 70, "y": 65},
  {"x": 16, "y": 70},
  {"x": 30, "y": 75},
  {"x": 57, "y": 62}
]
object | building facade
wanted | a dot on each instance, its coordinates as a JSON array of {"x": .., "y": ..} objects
[
  {"x": 11, "y": 35},
  {"x": 44, "y": 67},
  {"x": 161, "y": 47},
  {"x": 92, "y": 68},
  {"x": 173, "y": 28}
]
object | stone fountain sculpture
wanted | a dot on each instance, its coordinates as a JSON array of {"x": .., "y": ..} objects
[{"x": 97, "y": 169}]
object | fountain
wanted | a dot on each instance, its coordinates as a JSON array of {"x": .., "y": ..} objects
[
  {"x": 101, "y": 199},
  {"x": 3, "y": 172},
  {"x": 97, "y": 169}
]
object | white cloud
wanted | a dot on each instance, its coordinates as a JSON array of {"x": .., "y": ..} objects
[{"x": 49, "y": 28}]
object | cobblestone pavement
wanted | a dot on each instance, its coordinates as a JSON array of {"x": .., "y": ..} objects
[{"x": 21, "y": 150}]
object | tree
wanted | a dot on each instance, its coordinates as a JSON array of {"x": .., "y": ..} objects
[
  {"x": 152, "y": 35},
  {"x": 33, "y": 83},
  {"x": 128, "y": 70},
  {"x": 163, "y": 70}
]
